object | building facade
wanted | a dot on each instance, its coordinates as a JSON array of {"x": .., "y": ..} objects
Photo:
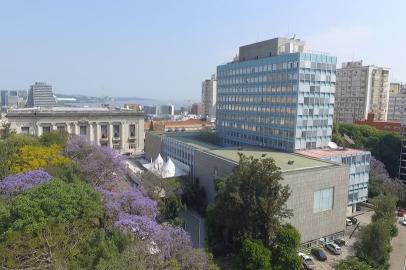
[
  {"x": 394, "y": 88},
  {"x": 275, "y": 95},
  {"x": 209, "y": 97},
  {"x": 196, "y": 109},
  {"x": 359, "y": 163},
  {"x": 361, "y": 90},
  {"x": 40, "y": 95},
  {"x": 319, "y": 188},
  {"x": 122, "y": 130},
  {"x": 397, "y": 105}
]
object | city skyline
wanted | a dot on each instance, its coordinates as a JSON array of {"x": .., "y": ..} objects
[{"x": 164, "y": 49}]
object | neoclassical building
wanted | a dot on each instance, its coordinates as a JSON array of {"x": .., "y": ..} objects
[{"x": 120, "y": 129}]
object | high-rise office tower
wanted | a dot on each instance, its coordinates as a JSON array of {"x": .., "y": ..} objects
[
  {"x": 361, "y": 90},
  {"x": 40, "y": 95},
  {"x": 209, "y": 97},
  {"x": 4, "y": 98},
  {"x": 276, "y": 95}
]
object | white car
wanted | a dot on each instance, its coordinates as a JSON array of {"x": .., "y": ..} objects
[
  {"x": 403, "y": 221},
  {"x": 308, "y": 263},
  {"x": 348, "y": 222}
]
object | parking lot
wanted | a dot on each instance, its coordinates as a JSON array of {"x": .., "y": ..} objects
[{"x": 364, "y": 218}]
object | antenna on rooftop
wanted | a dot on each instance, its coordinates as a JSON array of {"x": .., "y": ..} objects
[
  {"x": 348, "y": 139},
  {"x": 332, "y": 145}
]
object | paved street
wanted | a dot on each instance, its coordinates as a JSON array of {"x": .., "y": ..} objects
[{"x": 398, "y": 255}]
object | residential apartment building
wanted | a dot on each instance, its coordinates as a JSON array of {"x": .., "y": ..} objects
[
  {"x": 276, "y": 95},
  {"x": 120, "y": 129},
  {"x": 397, "y": 105},
  {"x": 40, "y": 95},
  {"x": 394, "y": 88},
  {"x": 389, "y": 125},
  {"x": 196, "y": 109},
  {"x": 361, "y": 90},
  {"x": 209, "y": 97},
  {"x": 319, "y": 188}
]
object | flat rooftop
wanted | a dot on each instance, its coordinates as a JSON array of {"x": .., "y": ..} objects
[
  {"x": 205, "y": 142},
  {"x": 323, "y": 153}
]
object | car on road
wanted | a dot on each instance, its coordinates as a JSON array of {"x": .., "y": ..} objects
[
  {"x": 354, "y": 220},
  {"x": 348, "y": 222},
  {"x": 333, "y": 248},
  {"x": 308, "y": 263},
  {"x": 339, "y": 242},
  {"x": 319, "y": 254}
]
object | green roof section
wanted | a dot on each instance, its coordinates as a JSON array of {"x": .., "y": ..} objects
[{"x": 206, "y": 142}]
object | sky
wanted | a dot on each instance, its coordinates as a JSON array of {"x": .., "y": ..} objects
[{"x": 165, "y": 49}]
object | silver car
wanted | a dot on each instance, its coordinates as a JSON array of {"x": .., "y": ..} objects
[{"x": 333, "y": 248}]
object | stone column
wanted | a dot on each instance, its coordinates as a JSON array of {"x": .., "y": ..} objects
[
  {"x": 122, "y": 136},
  {"x": 68, "y": 128},
  {"x": 91, "y": 133},
  {"x": 76, "y": 128},
  {"x": 97, "y": 133},
  {"x": 110, "y": 134},
  {"x": 39, "y": 130},
  {"x": 53, "y": 127}
]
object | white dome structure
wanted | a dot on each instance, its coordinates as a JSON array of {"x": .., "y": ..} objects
[
  {"x": 169, "y": 169},
  {"x": 158, "y": 163}
]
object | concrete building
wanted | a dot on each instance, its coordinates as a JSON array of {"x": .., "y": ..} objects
[
  {"x": 181, "y": 125},
  {"x": 150, "y": 110},
  {"x": 402, "y": 165},
  {"x": 40, "y": 95},
  {"x": 319, "y": 188},
  {"x": 197, "y": 109},
  {"x": 397, "y": 105},
  {"x": 361, "y": 90},
  {"x": 394, "y": 88},
  {"x": 122, "y": 130},
  {"x": 389, "y": 125},
  {"x": 209, "y": 97},
  {"x": 276, "y": 95},
  {"x": 167, "y": 110},
  {"x": 4, "y": 98},
  {"x": 358, "y": 161}
]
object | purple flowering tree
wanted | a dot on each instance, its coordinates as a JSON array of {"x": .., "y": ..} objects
[
  {"x": 126, "y": 206},
  {"x": 15, "y": 184}
]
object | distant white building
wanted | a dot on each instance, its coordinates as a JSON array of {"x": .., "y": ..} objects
[
  {"x": 40, "y": 95},
  {"x": 166, "y": 169},
  {"x": 120, "y": 129},
  {"x": 209, "y": 97}
]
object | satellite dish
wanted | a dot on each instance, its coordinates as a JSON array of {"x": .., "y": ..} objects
[{"x": 332, "y": 145}]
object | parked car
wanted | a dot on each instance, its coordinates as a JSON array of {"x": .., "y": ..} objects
[
  {"x": 319, "y": 254},
  {"x": 333, "y": 248},
  {"x": 308, "y": 263},
  {"x": 339, "y": 242},
  {"x": 403, "y": 221},
  {"x": 348, "y": 222},
  {"x": 354, "y": 220}
]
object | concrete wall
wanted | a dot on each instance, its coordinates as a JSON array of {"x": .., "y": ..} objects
[
  {"x": 152, "y": 145},
  {"x": 303, "y": 184}
]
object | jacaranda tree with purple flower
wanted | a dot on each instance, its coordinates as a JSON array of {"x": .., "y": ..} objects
[{"x": 15, "y": 184}]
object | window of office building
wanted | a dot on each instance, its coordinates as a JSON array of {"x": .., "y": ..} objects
[
  {"x": 132, "y": 130},
  {"x": 25, "y": 130},
  {"x": 83, "y": 130},
  {"x": 46, "y": 129},
  {"x": 116, "y": 131},
  {"x": 103, "y": 129},
  {"x": 323, "y": 200},
  {"x": 60, "y": 128}
]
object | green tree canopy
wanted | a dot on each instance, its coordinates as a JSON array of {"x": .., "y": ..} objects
[
  {"x": 53, "y": 202},
  {"x": 352, "y": 264},
  {"x": 287, "y": 243},
  {"x": 373, "y": 245},
  {"x": 56, "y": 137},
  {"x": 255, "y": 197},
  {"x": 254, "y": 255}
]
